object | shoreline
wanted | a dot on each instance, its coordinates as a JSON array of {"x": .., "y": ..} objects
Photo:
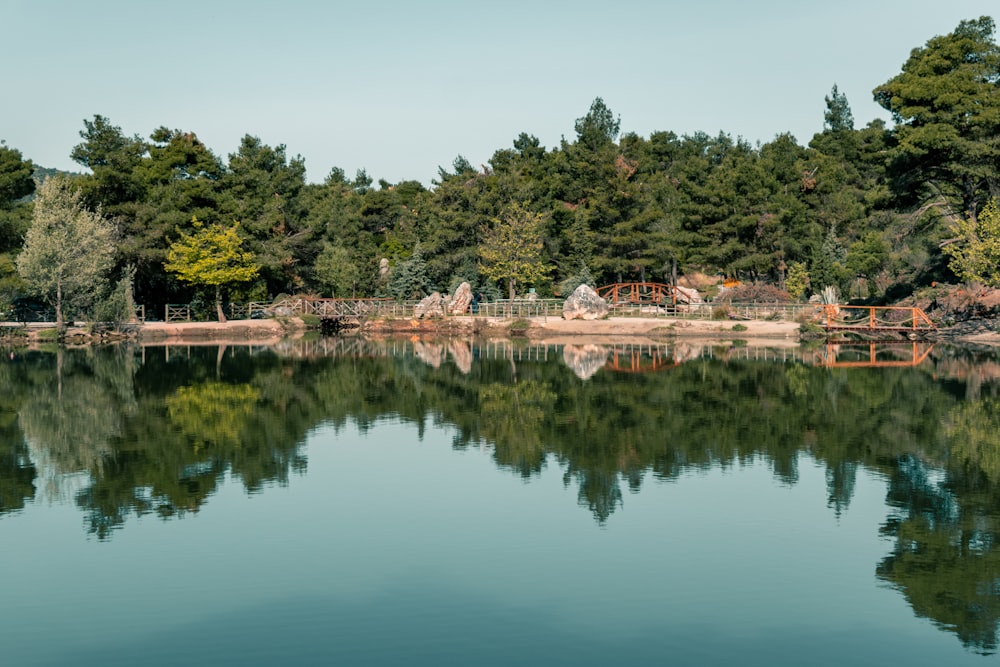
[{"x": 553, "y": 330}]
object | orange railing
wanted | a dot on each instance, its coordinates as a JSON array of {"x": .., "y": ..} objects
[{"x": 875, "y": 318}]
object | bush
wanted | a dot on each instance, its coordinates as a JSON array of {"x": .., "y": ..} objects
[
  {"x": 755, "y": 294},
  {"x": 519, "y": 327},
  {"x": 739, "y": 327},
  {"x": 720, "y": 313}
]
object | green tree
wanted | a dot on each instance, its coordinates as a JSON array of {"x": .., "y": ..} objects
[
  {"x": 68, "y": 250},
  {"x": 838, "y": 116},
  {"x": 975, "y": 257},
  {"x": 16, "y": 183},
  {"x": 946, "y": 104},
  {"x": 797, "y": 282},
  {"x": 408, "y": 279},
  {"x": 212, "y": 256},
  {"x": 867, "y": 256},
  {"x": 599, "y": 126},
  {"x": 264, "y": 190},
  {"x": 113, "y": 160},
  {"x": 511, "y": 247},
  {"x": 335, "y": 271}
]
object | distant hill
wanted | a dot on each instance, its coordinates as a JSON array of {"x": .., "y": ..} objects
[{"x": 42, "y": 173}]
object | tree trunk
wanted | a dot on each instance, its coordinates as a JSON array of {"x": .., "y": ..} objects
[
  {"x": 218, "y": 303},
  {"x": 510, "y": 289},
  {"x": 59, "y": 317}
]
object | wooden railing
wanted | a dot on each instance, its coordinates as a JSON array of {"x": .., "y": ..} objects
[
  {"x": 876, "y": 318},
  {"x": 177, "y": 313}
]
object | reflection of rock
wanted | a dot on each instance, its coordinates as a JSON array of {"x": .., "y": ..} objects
[
  {"x": 460, "y": 302},
  {"x": 686, "y": 352},
  {"x": 431, "y": 306},
  {"x": 431, "y": 354},
  {"x": 585, "y": 360},
  {"x": 584, "y": 304},
  {"x": 461, "y": 353}
]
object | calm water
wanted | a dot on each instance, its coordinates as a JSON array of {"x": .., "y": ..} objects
[{"x": 401, "y": 503}]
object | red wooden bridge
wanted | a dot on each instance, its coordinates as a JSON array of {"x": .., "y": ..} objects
[
  {"x": 651, "y": 293},
  {"x": 876, "y": 319}
]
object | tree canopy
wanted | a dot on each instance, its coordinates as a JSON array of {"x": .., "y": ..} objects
[
  {"x": 211, "y": 256},
  {"x": 876, "y": 201},
  {"x": 68, "y": 250}
]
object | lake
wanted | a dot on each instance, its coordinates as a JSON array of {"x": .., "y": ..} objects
[{"x": 406, "y": 502}]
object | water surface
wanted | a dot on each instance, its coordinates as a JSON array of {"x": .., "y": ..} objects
[{"x": 353, "y": 502}]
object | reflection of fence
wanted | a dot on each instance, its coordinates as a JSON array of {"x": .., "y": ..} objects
[
  {"x": 621, "y": 357},
  {"x": 874, "y": 355}
]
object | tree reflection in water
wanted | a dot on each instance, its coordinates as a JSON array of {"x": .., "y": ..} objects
[{"x": 158, "y": 432}]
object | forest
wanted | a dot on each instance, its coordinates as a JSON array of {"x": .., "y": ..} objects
[{"x": 877, "y": 211}]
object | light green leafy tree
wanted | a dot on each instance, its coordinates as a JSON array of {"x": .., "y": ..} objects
[
  {"x": 797, "y": 281},
  {"x": 975, "y": 257},
  {"x": 511, "y": 247},
  {"x": 212, "y": 256},
  {"x": 68, "y": 249}
]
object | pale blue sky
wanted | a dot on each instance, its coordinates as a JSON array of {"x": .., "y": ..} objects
[{"x": 399, "y": 88}]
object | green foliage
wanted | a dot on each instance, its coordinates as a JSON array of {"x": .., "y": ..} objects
[
  {"x": 212, "y": 256},
  {"x": 946, "y": 106},
  {"x": 511, "y": 248},
  {"x": 68, "y": 250},
  {"x": 408, "y": 280},
  {"x": 797, "y": 282},
  {"x": 118, "y": 306},
  {"x": 599, "y": 126},
  {"x": 16, "y": 180},
  {"x": 868, "y": 256},
  {"x": 975, "y": 257},
  {"x": 625, "y": 206},
  {"x": 838, "y": 116},
  {"x": 336, "y": 271},
  {"x": 581, "y": 277}
]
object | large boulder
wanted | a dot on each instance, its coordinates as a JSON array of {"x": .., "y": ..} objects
[
  {"x": 430, "y": 306},
  {"x": 459, "y": 303},
  {"x": 584, "y": 304},
  {"x": 687, "y": 295}
]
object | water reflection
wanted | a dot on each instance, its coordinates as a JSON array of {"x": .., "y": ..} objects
[{"x": 124, "y": 431}]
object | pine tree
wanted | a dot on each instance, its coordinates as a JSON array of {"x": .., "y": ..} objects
[{"x": 408, "y": 279}]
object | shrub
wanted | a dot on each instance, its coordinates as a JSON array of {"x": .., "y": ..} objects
[{"x": 519, "y": 327}]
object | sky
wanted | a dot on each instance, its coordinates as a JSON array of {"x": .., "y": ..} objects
[{"x": 402, "y": 88}]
